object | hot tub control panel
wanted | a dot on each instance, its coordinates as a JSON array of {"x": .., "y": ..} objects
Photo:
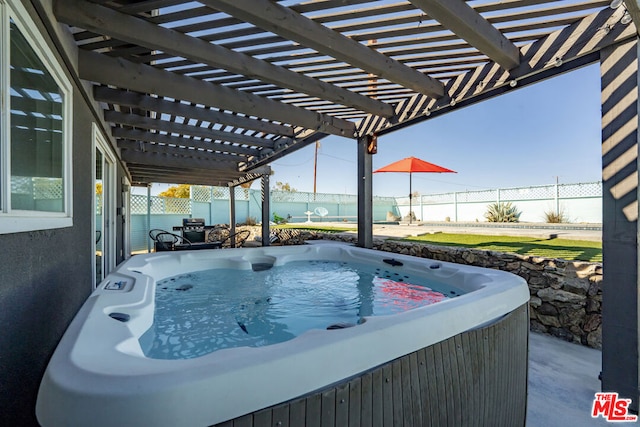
[{"x": 116, "y": 285}]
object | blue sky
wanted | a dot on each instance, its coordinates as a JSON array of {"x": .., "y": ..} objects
[{"x": 526, "y": 137}]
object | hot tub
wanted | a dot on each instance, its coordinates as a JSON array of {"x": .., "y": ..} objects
[{"x": 455, "y": 362}]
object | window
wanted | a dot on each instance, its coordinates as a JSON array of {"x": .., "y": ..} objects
[{"x": 35, "y": 129}]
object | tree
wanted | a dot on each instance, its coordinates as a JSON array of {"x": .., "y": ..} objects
[
  {"x": 182, "y": 191},
  {"x": 285, "y": 186}
]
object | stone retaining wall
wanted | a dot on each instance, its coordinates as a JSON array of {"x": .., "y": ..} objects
[{"x": 566, "y": 296}]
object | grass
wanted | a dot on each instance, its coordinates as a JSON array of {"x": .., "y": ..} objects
[
  {"x": 322, "y": 228},
  {"x": 571, "y": 250},
  {"x": 578, "y": 250}
]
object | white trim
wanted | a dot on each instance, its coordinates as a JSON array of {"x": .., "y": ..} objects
[
  {"x": 93, "y": 206},
  {"x": 5, "y": 126},
  {"x": 109, "y": 188},
  {"x": 126, "y": 207},
  {"x": 18, "y": 224},
  {"x": 13, "y": 221}
]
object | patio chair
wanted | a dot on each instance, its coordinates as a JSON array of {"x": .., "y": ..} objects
[
  {"x": 166, "y": 241},
  {"x": 225, "y": 241}
]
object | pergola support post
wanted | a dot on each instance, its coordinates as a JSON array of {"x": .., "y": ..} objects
[
  {"x": 148, "y": 216},
  {"x": 619, "y": 79},
  {"x": 232, "y": 215},
  {"x": 266, "y": 208},
  {"x": 365, "y": 194}
]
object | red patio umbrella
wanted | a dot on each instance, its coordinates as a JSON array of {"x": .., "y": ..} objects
[{"x": 412, "y": 165}]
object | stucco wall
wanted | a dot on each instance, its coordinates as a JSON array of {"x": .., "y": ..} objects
[{"x": 45, "y": 277}]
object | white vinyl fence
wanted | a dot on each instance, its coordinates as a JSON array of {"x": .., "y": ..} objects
[
  {"x": 212, "y": 204},
  {"x": 580, "y": 203}
]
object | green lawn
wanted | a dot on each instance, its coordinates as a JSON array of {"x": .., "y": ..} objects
[
  {"x": 324, "y": 229},
  {"x": 580, "y": 250}
]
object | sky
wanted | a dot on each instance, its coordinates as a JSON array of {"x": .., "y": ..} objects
[
  {"x": 527, "y": 137},
  {"x": 531, "y": 136}
]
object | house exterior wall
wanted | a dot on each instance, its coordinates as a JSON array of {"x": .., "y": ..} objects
[{"x": 45, "y": 275}]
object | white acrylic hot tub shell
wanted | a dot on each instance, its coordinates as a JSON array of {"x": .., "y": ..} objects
[{"x": 98, "y": 375}]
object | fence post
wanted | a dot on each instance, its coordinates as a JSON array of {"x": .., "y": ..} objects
[
  {"x": 232, "y": 214},
  {"x": 557, "y": 196},
  {"x": 210, "y": 207},
  {"x": 455, "y": 206},
  {"x": 148, "y": 217},
  {"x": 498, "y": 195},
  {"x": 266, "y": 209}
]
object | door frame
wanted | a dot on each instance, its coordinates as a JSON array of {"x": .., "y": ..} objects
[{"x": 109, "y": 191}]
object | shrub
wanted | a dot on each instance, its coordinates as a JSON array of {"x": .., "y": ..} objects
[
  {"x": 251, "y": 221},
  {"x": 502, "y": 212},
  {"x": 553, "y": 217}
]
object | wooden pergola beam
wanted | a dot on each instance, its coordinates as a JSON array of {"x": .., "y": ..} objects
[
  {"x": 285, "y": 22},
  {"x": 138, "y": 31},
  {"x": 141, "y": 135},
  {"x": 179, "y": 152},
  {"x": 125, "y": 74},
  {"x": 150, "y": 169},
  {"x": 305, "y": 138},
  {"x": 177, "y": 176},
  {"x": 195, "y": 172},
  {"x": 172, "y": 127},
  {"x": 541, "y": 59},
  {"x": 469, "y": 25},
  {"x": 415, "y": 23},
  {"x": 149, "y": 103},
  {"x": 171, "y": 160},
  {"x": 634, "y": 10}
]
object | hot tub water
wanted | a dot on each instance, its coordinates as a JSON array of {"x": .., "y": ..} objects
[{"x": 200, "y": 312}]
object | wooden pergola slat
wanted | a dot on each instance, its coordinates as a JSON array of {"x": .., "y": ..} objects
[
  {"x": 177, "y": 152},
  {"x": 143, "y": 78},
  {"x": 199, "y": 131},
  {"x": 141, "y": 32},
  {"x": 171, "y": 160},
  {"x": 142, "y": 135},
  {"x": 158, "y": 105},
  {"x": 287, "y": 23}
]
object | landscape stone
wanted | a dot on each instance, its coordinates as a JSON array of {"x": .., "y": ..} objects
[{"x": 566, "y": 296}]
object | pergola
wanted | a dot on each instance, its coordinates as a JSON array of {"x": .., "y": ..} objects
[{"x": 210, "y": 92}]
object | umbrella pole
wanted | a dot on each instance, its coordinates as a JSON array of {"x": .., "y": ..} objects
[{"x": 410, "y": 197}]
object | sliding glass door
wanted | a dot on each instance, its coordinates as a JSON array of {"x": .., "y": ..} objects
[{"x": 104, "y": 208}]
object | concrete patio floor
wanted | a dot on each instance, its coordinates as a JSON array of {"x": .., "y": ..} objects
[{"x": 563, "y": 378}]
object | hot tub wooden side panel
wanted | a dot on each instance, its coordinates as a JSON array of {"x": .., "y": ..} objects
[{"x": 476, "y": 378}]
